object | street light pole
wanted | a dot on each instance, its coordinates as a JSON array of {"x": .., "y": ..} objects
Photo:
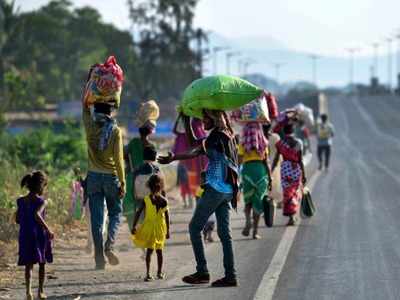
[
  {"x": 216, "y": 49},
  {"x": 352, "y": 51},
  {"x": 314, "y": 59},
  {"x": 229, "y": 55},
  {"x": 389, "y": 41},
  {"x": 375, "y": 47},
  {"x": 277, "y": 67}
]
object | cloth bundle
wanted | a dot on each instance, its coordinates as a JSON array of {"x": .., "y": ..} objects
[
  {"x": 305, "y": 114},
  {"x": 104, "y": 83},
  {"x": 149, "y": 112},
  {"x": 217, "y": 93},
  {"x": 255, "y": 111}
]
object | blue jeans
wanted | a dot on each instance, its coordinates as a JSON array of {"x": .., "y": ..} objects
[
  {"x": 213, "y": 201},
  {"x": 100, "y": 187}
]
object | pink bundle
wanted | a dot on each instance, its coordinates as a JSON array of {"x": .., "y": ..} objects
[{"x": 104, "y": 83}]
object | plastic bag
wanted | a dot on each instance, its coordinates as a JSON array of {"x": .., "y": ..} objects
[
  {"x": 148, "y": 111},
  {"x": 104, "y": 84},
  {"x": 269, "y": 211},
  {"x": 217, "y": 93},
  {"x": 255, "y": 111},
  {"x": 307, "y": 205},
  {"x": 305, "y": 114}
]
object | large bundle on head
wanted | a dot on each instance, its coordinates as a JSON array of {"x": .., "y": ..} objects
[
  {"x": 305, "y": 114},
  {"x": 104, "y": 84},
  {"x": 255, "y": 111},
  {"x": 217, "y": 93},
  {"x": 149, "y": 112}
]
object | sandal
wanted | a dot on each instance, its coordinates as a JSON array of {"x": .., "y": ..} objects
[
  {"x": 42, "y": 296},
  {"x": 148, "y": 278},
  {"x": 161, "y": 276}
]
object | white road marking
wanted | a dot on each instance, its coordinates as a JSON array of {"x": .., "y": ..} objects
[{"x": 268, "y": 283}]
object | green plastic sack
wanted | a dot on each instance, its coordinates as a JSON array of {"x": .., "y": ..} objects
[{"x": 217, "y": 93}]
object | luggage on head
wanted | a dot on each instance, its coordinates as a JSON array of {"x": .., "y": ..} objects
[
  {"x": 104, "y": 84},
  {"x": 217, "y": 93}
]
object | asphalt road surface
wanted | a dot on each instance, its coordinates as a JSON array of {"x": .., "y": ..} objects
[{"x": 349, "y": 250}]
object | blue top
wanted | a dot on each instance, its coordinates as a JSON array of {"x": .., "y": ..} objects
[{"x": 216, "y": 172}]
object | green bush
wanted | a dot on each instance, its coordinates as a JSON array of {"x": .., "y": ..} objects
[{"x": 55, "y": 151}]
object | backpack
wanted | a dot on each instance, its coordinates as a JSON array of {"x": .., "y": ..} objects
[{"x": 141, "y": 189}]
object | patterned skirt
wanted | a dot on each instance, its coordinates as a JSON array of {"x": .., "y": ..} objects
[{"x": 291, "y": 176}]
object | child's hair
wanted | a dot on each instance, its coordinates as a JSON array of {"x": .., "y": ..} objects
[
  {"x": 149, "y": 153},
  {"x": 35, "y": 182},
  {"x": 155, "y": 183}
]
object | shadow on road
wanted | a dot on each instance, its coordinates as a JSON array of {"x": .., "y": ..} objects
[{"x": 178, "y": 288}]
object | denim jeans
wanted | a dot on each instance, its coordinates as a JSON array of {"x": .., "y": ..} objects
[
  {"x": 100, "y": 187},
  {"x": 213, "y": 201}
]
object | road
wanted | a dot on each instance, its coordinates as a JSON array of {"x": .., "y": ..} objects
[{"x": 349, "y": 250}]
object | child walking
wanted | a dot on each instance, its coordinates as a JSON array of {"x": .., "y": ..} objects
[
  {"x": 151, "y": 235},
  {"x": 34, "y": 234}
]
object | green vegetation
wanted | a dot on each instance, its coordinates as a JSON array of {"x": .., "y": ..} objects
[
  {"x": 45, "y": 54},
  {"x": 43, "y": 148}
]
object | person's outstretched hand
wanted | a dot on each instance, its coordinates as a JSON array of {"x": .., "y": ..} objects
[
  {"x": 165, "y": 160},
  {"x": 133, "y": 231},
  {"x": 304, "y": 180}
]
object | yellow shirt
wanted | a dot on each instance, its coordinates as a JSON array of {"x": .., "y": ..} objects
[
  {"x": 252, "y": 155},
  {"x": 109, "y": 161}
]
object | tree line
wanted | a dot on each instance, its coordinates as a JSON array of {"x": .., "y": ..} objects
[{"x": 45, "y": 54}]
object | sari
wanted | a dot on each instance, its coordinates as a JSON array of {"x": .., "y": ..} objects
[{"x": 291, "y": 175}]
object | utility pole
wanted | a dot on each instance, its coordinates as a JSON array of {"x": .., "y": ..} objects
[
  {"x": 277, "y": 67},
  {"x": 215, "y": 50},
  {"x": 352, "y": 51},
  {"x": 246, "y": 63},
  {"x": 375, "y": 47},
  {"x": 229, "y": 55},
  {"x": 389, "y": 41},
  {"x": 314, "y": 59}
]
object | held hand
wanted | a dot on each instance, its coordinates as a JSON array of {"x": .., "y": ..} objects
[
  {"x": 304, "y": 180},
  {"x": 133, "y": 231},
  {"x": 121, "y": 192},
  {"x": 165, "y": 160},
  {"x": 167, "y": 236},
  {"x": 270, "y": 186},
  {"x": 51, "y": 235}
]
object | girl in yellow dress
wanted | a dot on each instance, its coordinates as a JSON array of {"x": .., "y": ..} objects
[{"x": 151, "y": 235}]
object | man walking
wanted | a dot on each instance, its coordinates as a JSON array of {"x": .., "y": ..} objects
[
  {"x": 325, "y": 132},
  {"x": 106, "y": 178}
]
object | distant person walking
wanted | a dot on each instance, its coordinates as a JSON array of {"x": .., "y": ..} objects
[
  {"x": 292, "y": 172},
  {"x": 106, "y": 178},
  {"x": 220, "y": 188},
  {"x": 325, "y": 133}
]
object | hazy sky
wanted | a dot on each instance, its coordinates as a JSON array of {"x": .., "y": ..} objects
[{"x": 320, "y": 26}]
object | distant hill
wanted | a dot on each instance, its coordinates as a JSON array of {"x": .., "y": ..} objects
[{"x": 265, "y": 51}]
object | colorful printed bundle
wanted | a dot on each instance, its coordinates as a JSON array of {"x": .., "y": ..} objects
[
  {"x": 255, "y": 111},
  {"x": 104, "y": 83}
]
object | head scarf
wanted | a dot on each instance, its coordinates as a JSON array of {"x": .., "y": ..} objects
[
  {"x": 253, "y": 138},
  {"x": 108, "y": 124}
]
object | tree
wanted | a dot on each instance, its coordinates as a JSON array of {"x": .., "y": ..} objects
[{"x": 9, "y": 20}]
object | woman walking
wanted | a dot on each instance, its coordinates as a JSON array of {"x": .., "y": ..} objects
[
  {"x": 220, "y": 188},
  {"x": 253, "y": 154},
  {"x": 292, "y": 172}
]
